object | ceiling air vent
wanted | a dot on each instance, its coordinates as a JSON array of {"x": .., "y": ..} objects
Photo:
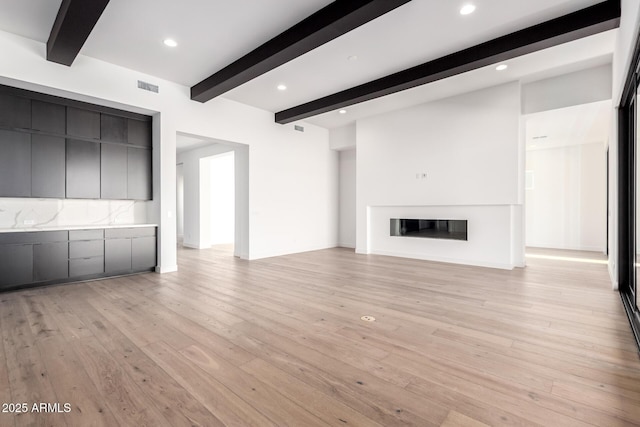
[
  {"x": 148, "y": 86},
  {"x": 298, "y": 128}
]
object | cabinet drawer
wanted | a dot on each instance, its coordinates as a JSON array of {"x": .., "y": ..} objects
[
  {"x": 86, "y": 266},
  {"x": 33, "y": 237},
  {"x": 86, "y": 234},
  {"x": 86, "y": 249},
  {"x": 116, "y": 233}
]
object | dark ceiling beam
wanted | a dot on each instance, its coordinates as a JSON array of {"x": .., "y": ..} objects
[
  {"x": 328, "y": 23},
  {"x": 586, "y": 22},
  {"x": 73, "y": 24}
]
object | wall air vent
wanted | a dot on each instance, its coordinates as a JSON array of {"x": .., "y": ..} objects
[
  {"x": 298, "y": 128},
  {"x": 148, "y": 86}
]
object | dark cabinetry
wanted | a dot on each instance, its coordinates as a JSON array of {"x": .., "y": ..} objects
[
  {"x": 117, "y": 255},
  {"x": 15, "y": 164},
  {"x": 16, "y": 264},
  {"x": 15, "y": 111},
  {"x": 36, "y": 258},
  {"x": 57, "y": 148},
  {"x": 48, "y": 166},
  {"x": 48, "y": 117},
  {"x": 130, "y": 249},
  {"x": 139, "y": 133},
  {"x": 138, "y": 174},
  {"x": 83, "y": 123},
  {"x": 50, "y": 261},
  {"x": 83, "y": 169},
  {"x": 113, "y": 129},
  {"x": 113, "y": 171}
]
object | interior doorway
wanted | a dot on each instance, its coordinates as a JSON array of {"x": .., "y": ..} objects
[
  {"x": 221, "y": 171},
  {"x": 566, "y": 179},
  {"x": 214, "y": 211}
]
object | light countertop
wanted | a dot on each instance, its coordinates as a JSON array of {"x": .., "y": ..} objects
[{"x": 73, "y": 227}]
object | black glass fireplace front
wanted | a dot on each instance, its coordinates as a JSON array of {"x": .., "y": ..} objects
[{"x": 453, "y": 229}]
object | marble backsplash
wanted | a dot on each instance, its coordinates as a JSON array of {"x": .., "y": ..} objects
[{"x": 36, "y": 213}]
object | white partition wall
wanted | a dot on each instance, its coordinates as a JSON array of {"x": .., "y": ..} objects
[{"x": 457, "y": 158}]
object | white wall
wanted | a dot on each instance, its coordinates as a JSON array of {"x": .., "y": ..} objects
[
  {"x": 293, "y": 175},
  {"x": 470, "y": 149},
  {"x": 347, "y": 226},
  {"x": 566, "y": 206},
  {"x": 222, "y": 206},
  {"x": 580, "y": 87},
  {"x": 180, "y": 199},
  {"x": 343, "y": 137}
]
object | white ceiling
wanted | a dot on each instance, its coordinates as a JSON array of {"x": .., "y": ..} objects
[
  {"x": 213, "y": 33},
  {"x": 576, "y": 125}
]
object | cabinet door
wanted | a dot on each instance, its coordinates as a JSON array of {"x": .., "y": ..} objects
[
  {"x": 113, "y": 128},
  {"x": 113, "y": 171},
  {"x": 15, "y": 112},
  {"x": 16, "y": 265},
  {"x": 50, "y": 261},
  {"x": 83, "y": 169},
  {"x": 138, "y": 174},
  {"x": 15, "y": 164},
  {"x": 139, "y": 133},
  {"x": 83, "y": 123},
  {"x": 48, "y": 117},
  {"x": 117, "y": 255},
  {"x": 143, "y": 253},
  {"x": 48, "y": 160}
]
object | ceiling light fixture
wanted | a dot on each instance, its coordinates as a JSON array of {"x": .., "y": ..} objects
[
  {"x": 170, "y": 42},
  {"x": 342, "y": 111},
  {"x": 282, "y": 87},
  {"x": 467, "y": 9},
  {"x": 502, "y": 67}
]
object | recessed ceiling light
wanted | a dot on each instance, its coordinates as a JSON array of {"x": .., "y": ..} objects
[
  {"x": 282, "y": 87},
  {"x": 467, "y": 9},
  {"x": 342, "y": 111},
  {"x": 170, "y": 42},
  {"x": 352, "y": 58},
  {"x": 502, "y": 67}
]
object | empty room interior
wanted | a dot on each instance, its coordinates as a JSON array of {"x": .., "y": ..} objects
[{"x": 319, "y": 213}]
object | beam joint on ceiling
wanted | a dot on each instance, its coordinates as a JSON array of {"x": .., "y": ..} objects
[
  {"x": 71, "y": 29},
  {"x": 328, "y": 23},
  {"x": 586, "y": 22}
]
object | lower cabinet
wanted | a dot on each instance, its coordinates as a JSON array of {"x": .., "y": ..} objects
[
  {"x": 16, "y": 265},
  {"x": 36, "y": 258},
  {"x": 143, "y": 252},
  {"x": 117, "y": 255},
  {"x": 50, "y": 261}
]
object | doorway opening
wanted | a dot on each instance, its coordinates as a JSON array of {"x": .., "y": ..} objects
[
  {"x": 566, "y": 182},
  {"x": 213, "y": 195}
]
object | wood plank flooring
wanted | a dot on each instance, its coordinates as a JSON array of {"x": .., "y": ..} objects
[{"x": 279, "y": 342}]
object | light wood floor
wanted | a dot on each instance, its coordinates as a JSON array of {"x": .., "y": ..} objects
[{"x": 280, "y": 342}]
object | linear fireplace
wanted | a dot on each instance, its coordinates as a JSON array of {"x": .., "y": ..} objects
[{"x": 452, "y": 229}]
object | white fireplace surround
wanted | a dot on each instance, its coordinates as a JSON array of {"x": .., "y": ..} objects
[{"x": 494, "y": 235}]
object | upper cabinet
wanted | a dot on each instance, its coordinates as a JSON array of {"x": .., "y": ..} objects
[
  {"x": 15, "y": 112},
  {"x": 15, "y": 164},
  {"x": 59, "y": 148},
  {"x": 48, "y": 117},
  {"x": 83, "y": 123},
  {"x": 113, "y": 129}
]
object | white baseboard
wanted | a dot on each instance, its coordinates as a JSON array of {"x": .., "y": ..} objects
[{"x": 447, "y": 260}]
